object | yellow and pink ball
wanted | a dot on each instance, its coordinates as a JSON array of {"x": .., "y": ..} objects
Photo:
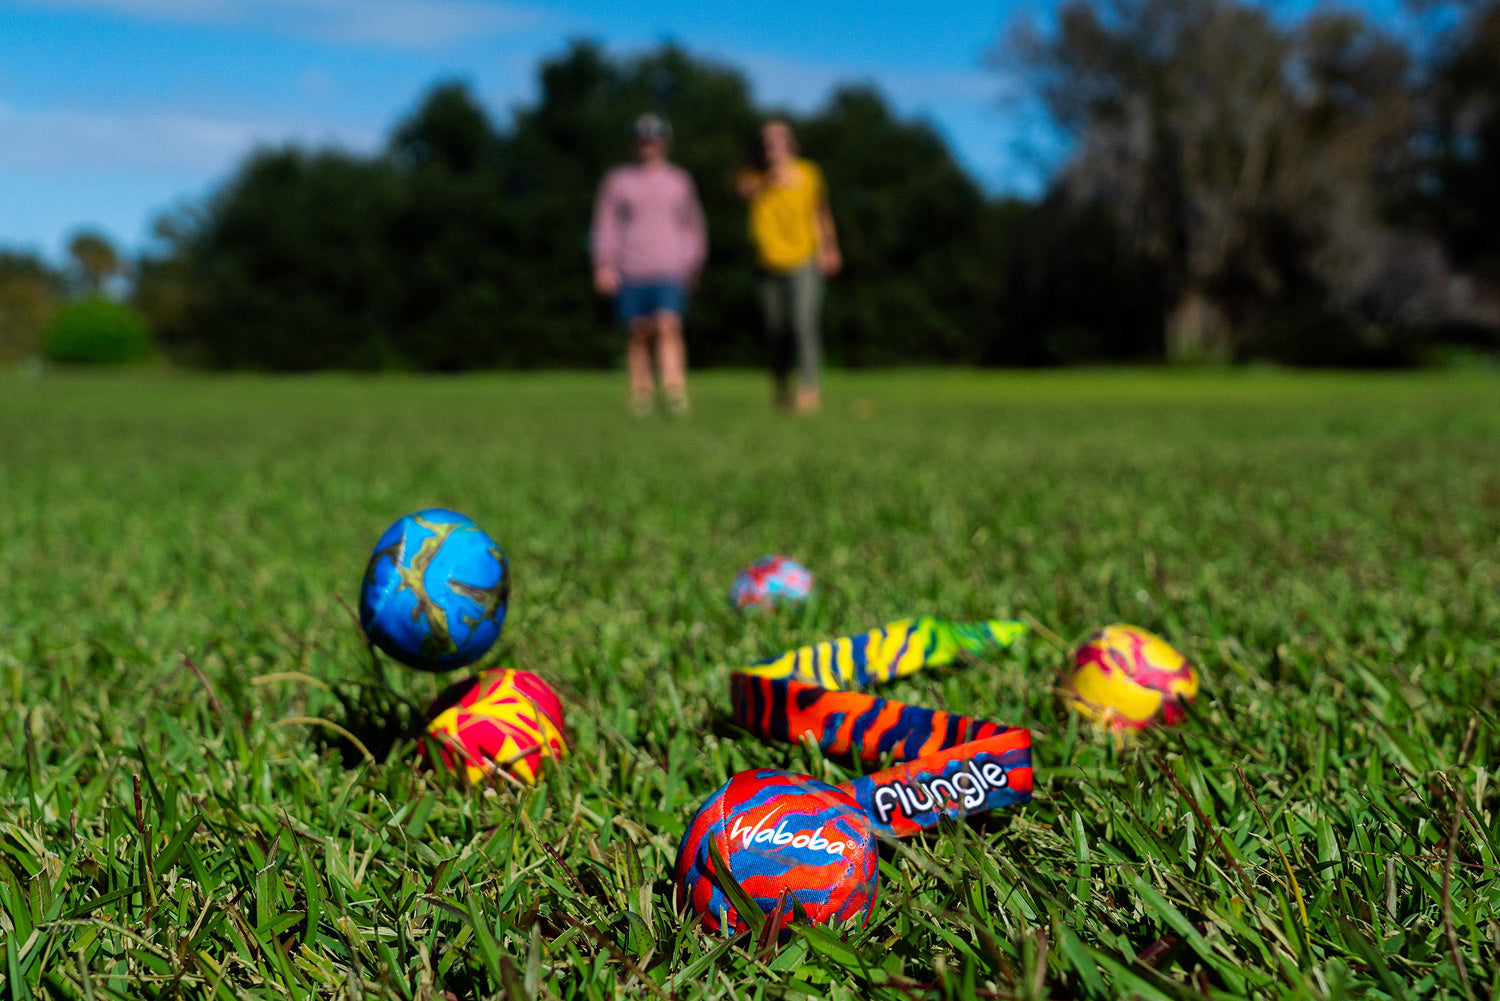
[{"x": 1128, "y": 678}]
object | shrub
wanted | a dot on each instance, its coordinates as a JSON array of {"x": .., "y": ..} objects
[{"x": 96, "y": 331}]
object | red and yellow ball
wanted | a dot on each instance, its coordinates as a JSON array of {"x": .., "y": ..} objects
[{"x": 501, "y": 721}]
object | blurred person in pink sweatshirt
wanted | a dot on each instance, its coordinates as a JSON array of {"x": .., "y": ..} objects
[{"x": 649, "y": 242}]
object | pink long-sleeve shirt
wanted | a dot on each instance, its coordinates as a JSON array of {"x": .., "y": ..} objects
[{"x": 648, "y": 224}]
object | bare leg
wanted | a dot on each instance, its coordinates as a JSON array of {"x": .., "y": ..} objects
[
  {"x": 671, "y": 356},
  {"x": 638, "y": 360}
]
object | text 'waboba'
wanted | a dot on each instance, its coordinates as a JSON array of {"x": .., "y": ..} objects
[{"x": 779, "y": 836}]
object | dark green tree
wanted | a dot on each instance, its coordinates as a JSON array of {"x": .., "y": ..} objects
[
  {"x": 1239, "y": 155},
  {"x": 921, "y": 243},
  {"x": 465, "y": 245},
  {"x": 1461, "y": 198},
  {"x": 95, "y": 259},
  {"x": 292, "y": 265},
  {"x": 30, "y": 292},
  {"x": 166, "y": 290},
  {"x": 453, "y": 234},
  {"x": 1075, "y": 289}
]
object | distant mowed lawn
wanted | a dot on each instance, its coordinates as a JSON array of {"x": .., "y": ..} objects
[{"x": 207, "y": 790}]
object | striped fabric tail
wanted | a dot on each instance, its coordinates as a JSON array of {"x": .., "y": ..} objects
[
  {"x": 950, "y": 765},
  {"x": 888, "y": 652}
]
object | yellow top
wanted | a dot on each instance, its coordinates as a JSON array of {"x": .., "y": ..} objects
[{"x": 784, "y": 218}]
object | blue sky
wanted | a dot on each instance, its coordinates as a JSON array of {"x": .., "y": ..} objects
[{"x": 113, "y": 111}]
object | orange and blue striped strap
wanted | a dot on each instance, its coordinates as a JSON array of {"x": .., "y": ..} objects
[{"x": 949, "y": 765}]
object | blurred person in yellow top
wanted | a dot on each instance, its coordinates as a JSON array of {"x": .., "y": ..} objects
[{"x": 796, "y": 247}]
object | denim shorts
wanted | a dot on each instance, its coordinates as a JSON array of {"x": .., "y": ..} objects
[{"x": 635, "y": 300}]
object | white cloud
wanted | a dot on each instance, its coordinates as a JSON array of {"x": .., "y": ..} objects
[
  {"x": 170, "y": 10},
  {"x": 84, "y": 141},
  {"x": 402, "y": 24},
  {"x": 429, "y": 24}
]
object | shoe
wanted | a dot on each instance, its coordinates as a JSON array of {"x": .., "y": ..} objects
[
  {"x": 641, "y": 406},
  {"x": 679, "y": 406}
]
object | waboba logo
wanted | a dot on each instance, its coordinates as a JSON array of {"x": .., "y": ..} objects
[
  {"x": 779, "y": 836},
  {"x": 968, "y": 787}
]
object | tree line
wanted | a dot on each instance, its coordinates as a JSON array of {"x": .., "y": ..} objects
[
  {"x": 1238, "y": 187},
  {"x": 463, "y": 244}
]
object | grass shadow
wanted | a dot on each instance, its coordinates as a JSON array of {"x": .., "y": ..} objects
[{"x": 370, "y": 723}]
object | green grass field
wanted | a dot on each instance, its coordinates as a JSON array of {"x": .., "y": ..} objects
[{"x": 182, "y": 815}]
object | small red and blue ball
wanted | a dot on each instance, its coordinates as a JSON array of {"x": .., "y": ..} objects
[
  {"x": 1129, "y": 678},
  {"x": 770, "y": 581},
  {"x": 435, "y": 591},
  {"x": 779, "y": 832},
  {"x": 501, "y": 721}
]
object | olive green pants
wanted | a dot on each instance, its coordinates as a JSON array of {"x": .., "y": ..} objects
[{"x": 792, "y": 303}]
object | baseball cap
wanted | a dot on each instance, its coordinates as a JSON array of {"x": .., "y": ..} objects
[{"x": 651, "y": 126}]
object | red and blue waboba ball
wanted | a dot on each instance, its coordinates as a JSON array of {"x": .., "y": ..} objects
[
  {"x": 768, "y": 581},
  {"x": 778, "y": 832},
  {"x": 435, "y": 591}
]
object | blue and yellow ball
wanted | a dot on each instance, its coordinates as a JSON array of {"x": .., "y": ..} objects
[{"x": 435, "y": 591}]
